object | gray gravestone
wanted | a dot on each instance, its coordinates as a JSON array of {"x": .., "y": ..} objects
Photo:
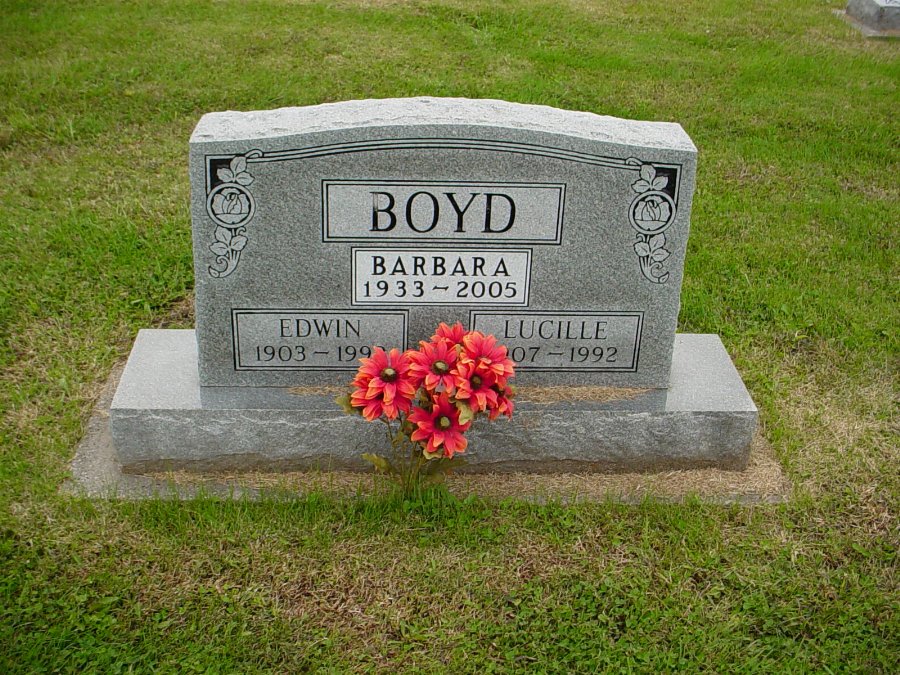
[
  {"x": 876, "y": 17},
  {"x": 321, "y": 231}
]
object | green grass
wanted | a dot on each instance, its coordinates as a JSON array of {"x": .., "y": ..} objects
[{"x": 792, "y": 259}]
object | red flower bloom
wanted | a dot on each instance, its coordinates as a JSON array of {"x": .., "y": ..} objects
[
  {"x": 484, "y": 351},
  {"x": 475, "y": 385},
  {"x": 384, "y": 385},
  {"x": 439, "y": 428},
  {"x": 453, "y": 334},
  {"x": 505, "y": 405},
  {"x": 433, "y": 366}
]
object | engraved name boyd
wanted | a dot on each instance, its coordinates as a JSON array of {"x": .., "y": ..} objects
[{"x": 445, "y": 211}]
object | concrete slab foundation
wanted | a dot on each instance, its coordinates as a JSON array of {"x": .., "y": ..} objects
[{"x": 162, "y": 420}]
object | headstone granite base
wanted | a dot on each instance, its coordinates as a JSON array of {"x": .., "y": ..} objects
[{"x": 162, "y": 419}]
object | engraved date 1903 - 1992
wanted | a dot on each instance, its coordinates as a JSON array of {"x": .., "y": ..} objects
[{"x": 299, "y": 353}]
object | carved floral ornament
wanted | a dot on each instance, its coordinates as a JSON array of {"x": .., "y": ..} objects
[
  {"x": 231, "y": 207},
  {"x": 651, "y": 213}
]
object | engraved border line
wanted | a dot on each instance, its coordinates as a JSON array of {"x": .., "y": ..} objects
[
  {"x": 444, "y": 143},
  {"x": 553, "y": 369},
  {"x": 416, "y": 302},
  {"x": 327, "y": 237},
  {"x": 235, "y": 331}
]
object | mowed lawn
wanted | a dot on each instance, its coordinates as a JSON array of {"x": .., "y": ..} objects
[{"x": 793, "y": 259}]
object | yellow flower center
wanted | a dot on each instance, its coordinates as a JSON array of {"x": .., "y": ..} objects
[
  {"x": 476, "y": 381},
  {"x": 440, "y": 367},
  {"x": 388, "y": 374},
  {"x": 444, "y": 422}
]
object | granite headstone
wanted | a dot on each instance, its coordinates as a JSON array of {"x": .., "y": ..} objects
[
  {"x": 321, "y": 231},
  {"x": 875, "y": 17}
]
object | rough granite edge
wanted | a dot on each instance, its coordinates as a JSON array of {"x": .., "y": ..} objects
[
  {"x": 432, "y": 111},
  {"x": 95, "y": 473}
]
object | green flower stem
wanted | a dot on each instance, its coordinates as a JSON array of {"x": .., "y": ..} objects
[{"x": 406, "y": 464}]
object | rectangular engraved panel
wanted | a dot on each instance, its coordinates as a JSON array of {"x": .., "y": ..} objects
[
  {"x": 457, "y": 211},
  {"x": 415, "y": 276},
  {"x": 296, "y": 339},
  {"x": 566, "y": 341}
]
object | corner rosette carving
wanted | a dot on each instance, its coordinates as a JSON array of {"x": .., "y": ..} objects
[
  {"x": 231, "y": 207},
  {"x": 651, "y": 213}
]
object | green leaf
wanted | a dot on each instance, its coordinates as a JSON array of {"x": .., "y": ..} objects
[
  {"x": 380, "y": 463},
  {"x": 440, "y": 466},
  {"x": 453, "y": 463},
  {"x": 431, "y": 467},
  {"x": 466, "y": 414},
  {"x": 344, "y": 404}
]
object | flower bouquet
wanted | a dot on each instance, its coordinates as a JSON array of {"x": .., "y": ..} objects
[{"x": 428, "y": 399}]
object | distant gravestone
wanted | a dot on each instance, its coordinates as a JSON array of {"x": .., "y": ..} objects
[
  {"x": 875, "y": 17},
  {"x": 322, "y": 231}
]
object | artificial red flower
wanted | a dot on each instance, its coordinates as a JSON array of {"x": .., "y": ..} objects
[
  {"x": 484, "y": 351},
  {"x": 433, "y": 365},
  {"x": 439, "y": 428},
  {"x": 505, "y": 405},
  {"x": 384, "y": 385},
  {"x": 475, "y": 385},
  {"x": 453, "y": 334}
]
